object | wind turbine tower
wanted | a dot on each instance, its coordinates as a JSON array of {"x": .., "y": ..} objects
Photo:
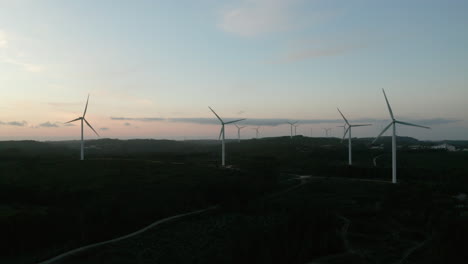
[
  {"x": 222, "y": 134},
  {"x": 350, "y": 161},
  {"x": 393, "y": 125},
  {"x": 82, "y": 118},
  {"x": 292, "y": 124}
]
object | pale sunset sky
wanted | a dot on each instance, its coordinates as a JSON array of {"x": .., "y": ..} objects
[{"x": 152, "y": 68}]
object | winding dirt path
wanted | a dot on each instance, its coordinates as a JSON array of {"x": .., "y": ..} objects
[{"x": 161, "y": 221}]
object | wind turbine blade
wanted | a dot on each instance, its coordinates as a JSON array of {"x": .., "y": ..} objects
[
  {"x": 216, "y": 114},
  {"x": 409, "y": 124},
  {"x": 361, "y": 125},
  {"x": 383, "y": 131},
  {"x": 388, "y": 104},
  {"x": 86, "y": 107},
  {"x": 220, "y": 132},
  {"x": 237, "y": 126},
  {"x": 346, "y": 120},
  {"x": 73, "y": 120},
  {"x": 230, "y": 122},
  {"x": 346, "y": 132},
  {"x": 91, "y": 127}
]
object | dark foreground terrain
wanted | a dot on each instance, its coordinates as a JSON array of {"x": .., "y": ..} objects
[{"x": 51, "y": 203}]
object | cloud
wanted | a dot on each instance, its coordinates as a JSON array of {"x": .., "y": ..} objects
[
  {"x": 104, "y": 128},
  {"x": 310, "y": 53},
  {"x": 14, "y": 123},
  {"x": 435, "y": 121},
  {"x": 254, "y": 17},
  {"x": 266, "y": 121},
  {"x": 127, "y": 124},
  {"x": 26, "y": 66},
  {"x": 14, "y": 56},
  {"x": 48, "y": 124},
  {"x": 143, "y": 119},
  {"x": 55, "y": 104},
  {"x": 283, "y": 121},
  {"x": 3, "y": 39}
]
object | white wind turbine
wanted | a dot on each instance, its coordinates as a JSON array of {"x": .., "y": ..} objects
[
  {"x": 256, "y": 131},
  {"x": 292, "y": 124},
  {"x": 327, "y": 130},
  {"x": 238, "y": 131},
  {"x": 295, "y": 129},
  {"x": 393, "y": 124},
  {"x": 82, "y": 118},
  {"x": 349, "y": 136},
  {"x": 221, "y": 133}
]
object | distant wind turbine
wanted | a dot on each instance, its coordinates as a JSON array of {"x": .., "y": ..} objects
[
  {"x": 221, "y": 133},
  {"x": 295, "y": 129},
  {"x": 82, "y": 118},
  {"x": 350, "y": 161},
  {"x": 393, "y": 125},
  {"x": 256, "y": 131},
  {"x": 327, "y": 130},
  {"x": 238, "y": 131},
  {"x": 292, "y": 124}
]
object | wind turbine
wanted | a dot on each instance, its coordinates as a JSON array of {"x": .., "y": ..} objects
[
  {"x": 238, "y": 131},
  {"x": 256, "y": 131},
  {"x": 292, "y": 124},
  {"x": 82, "y": 118},
  {"x": 327, "y": 130},
  {"x": 350, "y": 161},
  {"x": 295, "y": 129},
  {"x": 221, "y": 133},
  {"x": 393, "y": 124}
]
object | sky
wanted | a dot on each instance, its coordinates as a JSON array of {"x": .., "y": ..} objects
[{"x": 153, "y": 67}]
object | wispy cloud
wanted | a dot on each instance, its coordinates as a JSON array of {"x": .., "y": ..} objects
[
  {"x": 280, "y": 121},
  {"x": 435, "y": 121},
  {"x": 104, "y": 128},
  {"x": 143, "y": 119},
  {"x": 15, "y": 57},
  {"x": 48, "y": 124},
  {"x": 3, "y": 39},
  {"x": 311, "y": 53},
  {"x": 14, "y": 123},
  {"x": 26, "y": 66},
  {"x": 55, "y": 104},
  {"x": 254, "y": 17},
  {"x": 127, "y": 124}
]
